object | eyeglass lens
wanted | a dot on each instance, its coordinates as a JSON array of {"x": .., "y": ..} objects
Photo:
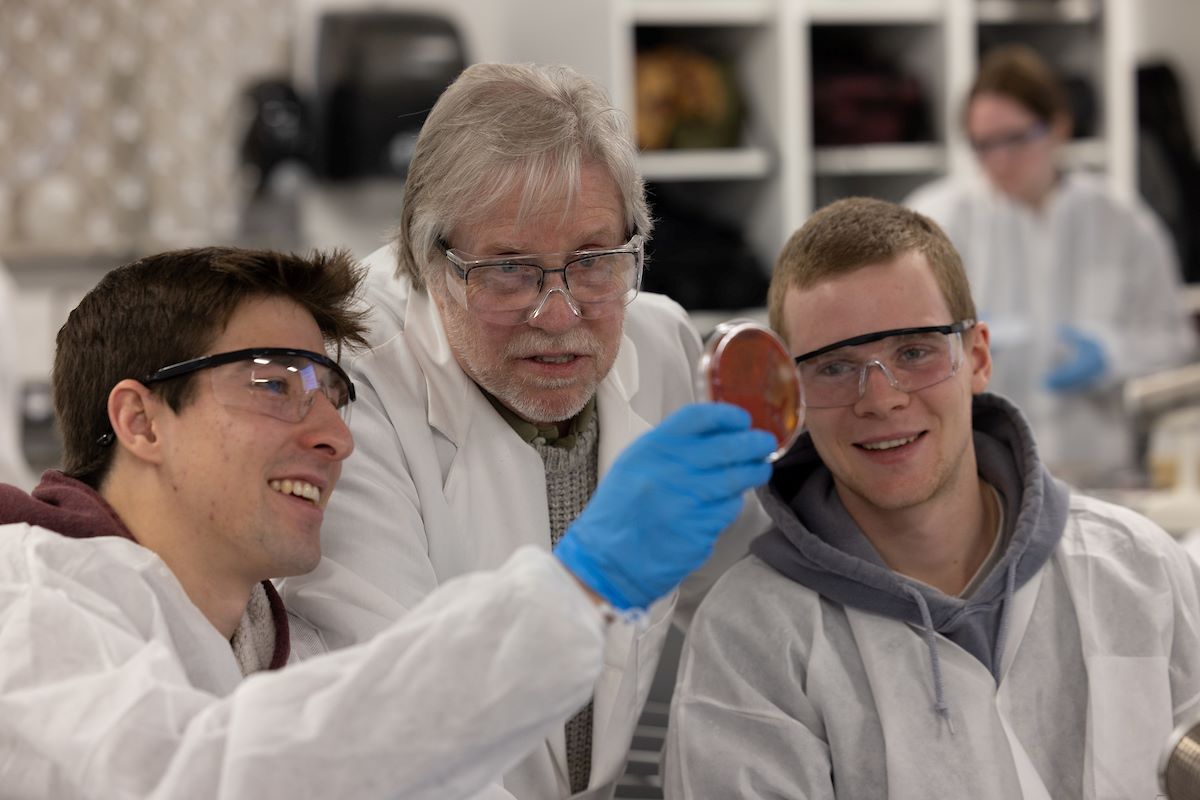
[
  {"x": 593, "y": 282},
  {"x": 1007, "y": 141},
  {"x": 284, "y": 387},
  {"x": 910, "y": 362}
]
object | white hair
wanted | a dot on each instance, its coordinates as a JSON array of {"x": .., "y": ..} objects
[{"x": 503, "y": 127}]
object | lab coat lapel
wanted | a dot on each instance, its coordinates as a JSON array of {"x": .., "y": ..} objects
[
  {"x": 494, "y": 481},
  {"x": 619, "y": 423},
  {"x": 449, "y": 389}
]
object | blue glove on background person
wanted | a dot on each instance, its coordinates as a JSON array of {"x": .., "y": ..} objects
[
  {"x": 1083, "y": 366},
  {"x": 655, "y": 516}
]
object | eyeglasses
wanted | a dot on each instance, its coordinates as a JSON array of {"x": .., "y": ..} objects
[
  {"x": 910, "y": 358},
  {"x": 510, "y": 290},
  {"x": 1008, "y": 141},
  {"x": 276, "y": 381}
]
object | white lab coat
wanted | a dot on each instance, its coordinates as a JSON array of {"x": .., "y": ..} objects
[
  {"x": 785, "y": 694},
  {"x": 440, "y": 485},
  {"x": 14, "y": 468},
  {"x": 114, "y": 685},
  {"x": 1089, "y": 260}
]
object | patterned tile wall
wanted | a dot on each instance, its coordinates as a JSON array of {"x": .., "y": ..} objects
[{"x": 120, "y": 119}]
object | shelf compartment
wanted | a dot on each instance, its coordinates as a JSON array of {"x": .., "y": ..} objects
[
  {"x": 875, "y": 12},
  {"x": 880, "y": 159},
  {"x": 742, "y": 163},
  {"x": 1005, "y": 12},
  {"x": 702, "y": 12}
]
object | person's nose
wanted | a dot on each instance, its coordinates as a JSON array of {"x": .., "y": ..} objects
[
  {"x": 326, "y": 431},
  {"x": 557, "y": 311},
  {"x": 878, "y": 393}
]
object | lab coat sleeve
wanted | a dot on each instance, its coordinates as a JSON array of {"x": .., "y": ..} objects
[
  {"x": 438, "y": 705},
  {"x": 741, "y": 725},
  {"x": 1152, "y": 331}
]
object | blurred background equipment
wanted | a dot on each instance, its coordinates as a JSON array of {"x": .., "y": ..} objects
[
  {"x": 328, "y": 146},
  {"x": 278, "y": 130},
  {"x": 1169, "y": 170},
  {"x": 378, "y": 73},
  {"x": 1179, "y": 767},
  {"x": 1164, "y": 410}
]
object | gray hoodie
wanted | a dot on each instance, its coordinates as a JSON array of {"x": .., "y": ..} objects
[{"x": 816, "y": 543}]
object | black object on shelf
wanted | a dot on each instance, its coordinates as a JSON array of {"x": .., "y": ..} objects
[
  {"x": 378, "y": 73},
  {"x": 1081, "y": 98},
  {"x": 279, "y": 129},
  {"x": 701, "y": 263},
  {"x": 1170, "y": 171},
  {"x": 860, "y": 97}
]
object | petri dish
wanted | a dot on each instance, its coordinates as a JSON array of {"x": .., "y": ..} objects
[{"x": 749, "y": 366}]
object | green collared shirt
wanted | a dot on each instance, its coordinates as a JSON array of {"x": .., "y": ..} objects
[{"x": 531, "y": 432}]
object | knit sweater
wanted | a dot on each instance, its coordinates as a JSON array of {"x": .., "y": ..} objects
[{"x": 570, "y": 480}]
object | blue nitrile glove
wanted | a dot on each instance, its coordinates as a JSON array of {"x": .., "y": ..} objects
[
  {"x": 1083, "y": 366},
  {"x": 655, "y": 516}
]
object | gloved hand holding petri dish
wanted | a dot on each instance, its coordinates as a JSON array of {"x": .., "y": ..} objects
[{"x": 749, "y": 366}]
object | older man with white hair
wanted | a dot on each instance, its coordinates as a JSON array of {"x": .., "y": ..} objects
[{"x": 513, "y": 359}]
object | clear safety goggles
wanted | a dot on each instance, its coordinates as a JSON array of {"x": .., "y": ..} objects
[
  {"x": 1008, "y": 142},
  {"x": 510, "y": 290},
  {"x": 276, "y": 381},
  {"x": 910, "y": 358}
]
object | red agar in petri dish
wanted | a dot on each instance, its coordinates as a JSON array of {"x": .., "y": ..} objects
[{"x": 748, "y": 365}]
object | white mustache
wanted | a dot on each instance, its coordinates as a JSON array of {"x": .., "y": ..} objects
[{"x": 537, "y": 343}]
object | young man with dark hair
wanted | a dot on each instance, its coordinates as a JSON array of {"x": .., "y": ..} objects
[{"x": 204, "y": 429}]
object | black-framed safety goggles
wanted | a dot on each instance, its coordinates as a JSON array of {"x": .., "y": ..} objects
[
  {"x": 910, "y": 359},
  {"x": 279, "y": 382}
]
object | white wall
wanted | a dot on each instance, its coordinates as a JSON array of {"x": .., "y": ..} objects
[{"x": 1167, "y": 29}]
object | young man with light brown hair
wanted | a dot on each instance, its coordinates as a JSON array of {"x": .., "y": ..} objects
[{"x": 933, "y": 614}]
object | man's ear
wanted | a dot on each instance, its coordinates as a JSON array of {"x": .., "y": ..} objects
[
  {"x": 979, "y": 356},
  {"x": 133, "y": 412}
]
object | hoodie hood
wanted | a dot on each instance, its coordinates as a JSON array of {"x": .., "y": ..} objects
[
  {"x": 63, "y": 505},
  {"x": 72, "y": 508},
  {"x": 816, "y": 543}
]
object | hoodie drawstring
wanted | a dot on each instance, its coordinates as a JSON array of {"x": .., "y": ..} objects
[
  {"x": 1010, "y": 588},
  {"x": 939, "y": 691}
]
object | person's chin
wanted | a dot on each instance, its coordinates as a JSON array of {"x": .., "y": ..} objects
[
  {"x": 549, "y": 406},
  {"x": 301, "y": 558}
]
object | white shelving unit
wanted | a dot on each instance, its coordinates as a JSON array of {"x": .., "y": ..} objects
[
  {"x": 880, "y": 159},
  {"x": 743, "y": 163},
  {"x": 771, "y": 183}
]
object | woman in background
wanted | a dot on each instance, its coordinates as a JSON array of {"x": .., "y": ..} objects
[{"x": 1081, "y": 289}]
